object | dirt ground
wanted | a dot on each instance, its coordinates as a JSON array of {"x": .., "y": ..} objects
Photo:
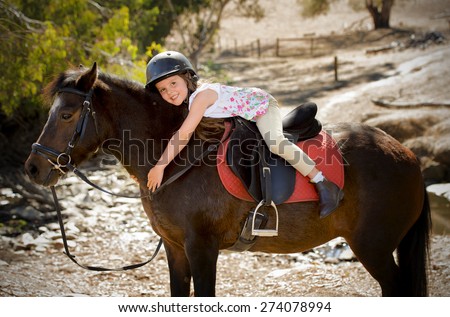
[{"x": 116, "y": 232}]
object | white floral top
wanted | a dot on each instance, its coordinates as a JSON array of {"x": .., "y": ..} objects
[{"x": 235, "y": 101}]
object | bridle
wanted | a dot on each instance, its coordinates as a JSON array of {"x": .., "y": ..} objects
[{"x": 63, "y": 160}]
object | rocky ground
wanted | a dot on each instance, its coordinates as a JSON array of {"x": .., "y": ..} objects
[
  {"x": 112, "y": 232},
  {"x": 384, "y": 81}
]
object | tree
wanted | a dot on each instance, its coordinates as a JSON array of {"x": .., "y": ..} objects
[
  {"x": 380, "y": 10},
  {"x": 198, "y": 23},
  {"x": 42, "y": 38},
  {"x": 40, "y": 41}
]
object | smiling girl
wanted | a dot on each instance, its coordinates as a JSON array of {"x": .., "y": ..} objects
[{"x": 172, "y": 75}]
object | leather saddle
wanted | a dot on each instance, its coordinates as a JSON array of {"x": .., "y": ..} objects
[{"x": 266, "y": 176}]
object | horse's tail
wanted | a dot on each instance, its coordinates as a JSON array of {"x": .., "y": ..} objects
[{"x": 413, "y": 254}]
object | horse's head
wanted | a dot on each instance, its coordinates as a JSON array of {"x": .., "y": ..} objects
[
  {"x": 70, "y": 134},
  {"x": 92, "y": 110}
]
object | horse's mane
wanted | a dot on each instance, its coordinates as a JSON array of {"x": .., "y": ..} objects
[
  {"x": 104, "y": 81},
  {"x": 208, "y": 128}
]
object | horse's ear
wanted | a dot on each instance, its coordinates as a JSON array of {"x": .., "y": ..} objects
[{"x": 87, "y": 80}]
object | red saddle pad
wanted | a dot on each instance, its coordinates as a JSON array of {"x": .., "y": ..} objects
[{"x": 322, "y": 149}]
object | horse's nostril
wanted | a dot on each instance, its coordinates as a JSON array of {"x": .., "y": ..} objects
[{"x": 32, "y": 170}]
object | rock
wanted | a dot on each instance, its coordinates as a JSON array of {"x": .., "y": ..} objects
[
  {"x": 52, "y": 235},
  {"x": 440, "y": 129},
  {"x": 347, "y": 255},
  {"x": 442, "y": 150},
  {"x": 88, "y": 223},
  {"x": 421, "y": 146},
  {"x": 27, "y": 213},
  {"x": 405, "y": 125},
  {"x": 43, "y": 229},
  {"x": 53, "y": 226},
  {"x": 433, "y": 171},
  {"x": 331, "y": 260},
  {"x": 278, "y": 273},
  {"x": 70, "y": 226},
  {"x": 41, "y": 244},
  {"x": 440, "y": 190},
  {"x": 59, "y": 243},
  {"x": 27, "y": 239}
]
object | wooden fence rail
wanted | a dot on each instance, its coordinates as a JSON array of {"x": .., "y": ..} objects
[{"x": 308, "y": 45}]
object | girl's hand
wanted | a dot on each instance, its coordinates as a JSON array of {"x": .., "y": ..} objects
[{"x": 154, "y": 177}]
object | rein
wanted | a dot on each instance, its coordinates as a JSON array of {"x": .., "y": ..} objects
[
  {"x": 63, "y": 160},
  {"x": 88, "y": 267}
]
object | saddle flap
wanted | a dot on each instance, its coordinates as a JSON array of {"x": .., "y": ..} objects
[
  {"x": 322, "y": 149},
  {"x": 245, "y": 160}
]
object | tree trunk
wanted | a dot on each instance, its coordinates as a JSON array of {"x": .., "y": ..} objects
[{"x": 380, "y": 16}]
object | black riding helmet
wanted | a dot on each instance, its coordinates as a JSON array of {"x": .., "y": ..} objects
[{"x": 167, "y": 64}]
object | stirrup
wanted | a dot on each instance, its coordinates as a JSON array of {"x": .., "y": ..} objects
[{"x": 265, "y": 232}]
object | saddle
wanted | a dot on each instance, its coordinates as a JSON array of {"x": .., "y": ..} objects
[
  {"x": 249, "y": 171},
  {"x": 250, "y": 160}
]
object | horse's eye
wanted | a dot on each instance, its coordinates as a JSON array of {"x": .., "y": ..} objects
[{"x": 66, "y": 116}]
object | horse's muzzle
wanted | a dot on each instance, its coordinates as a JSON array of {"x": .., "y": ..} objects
[{"x": 40, "y": 171}]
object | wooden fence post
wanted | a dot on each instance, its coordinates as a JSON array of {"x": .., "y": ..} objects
[
  {"x": 277, "y": 48},
  {"x": 336, "y": 69},
  {"x": 258, "y": 44}
]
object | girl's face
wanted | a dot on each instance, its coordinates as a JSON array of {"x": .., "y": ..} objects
[{"x": 173, "y": 89}]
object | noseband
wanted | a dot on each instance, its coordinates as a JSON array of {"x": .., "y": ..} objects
[{"x": 61, "y": 160}]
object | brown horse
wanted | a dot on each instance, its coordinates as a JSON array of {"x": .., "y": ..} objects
[{"x": 385, "y": 207}]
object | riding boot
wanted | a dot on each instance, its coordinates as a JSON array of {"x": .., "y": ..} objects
[{"x": 329, "y": 197}]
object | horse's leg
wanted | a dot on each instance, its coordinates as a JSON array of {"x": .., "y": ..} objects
[
  {"x": 179, "y": 270},
  {"x": 374, "y": 248},
  {"x": 203, "y": 253},
  {"x": 389, "y": 220},
  {"x": 380, "y": 264}
]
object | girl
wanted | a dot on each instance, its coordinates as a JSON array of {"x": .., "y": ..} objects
[{"x": 173, "y": 76}]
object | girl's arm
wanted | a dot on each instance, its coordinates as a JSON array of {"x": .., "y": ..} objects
[{"x": 181, "y": 138}]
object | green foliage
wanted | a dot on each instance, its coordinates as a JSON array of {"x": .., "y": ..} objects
[
  {"x": 380, "y": 10},
  {"x": 42, "y": 38},
  {"x": 313, "y": 8},
  {"x": 358, "y": 5},
  {"x": 214, "y": 72}
]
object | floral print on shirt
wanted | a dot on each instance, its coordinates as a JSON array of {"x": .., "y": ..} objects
[{"x": 245, "y": 102}]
